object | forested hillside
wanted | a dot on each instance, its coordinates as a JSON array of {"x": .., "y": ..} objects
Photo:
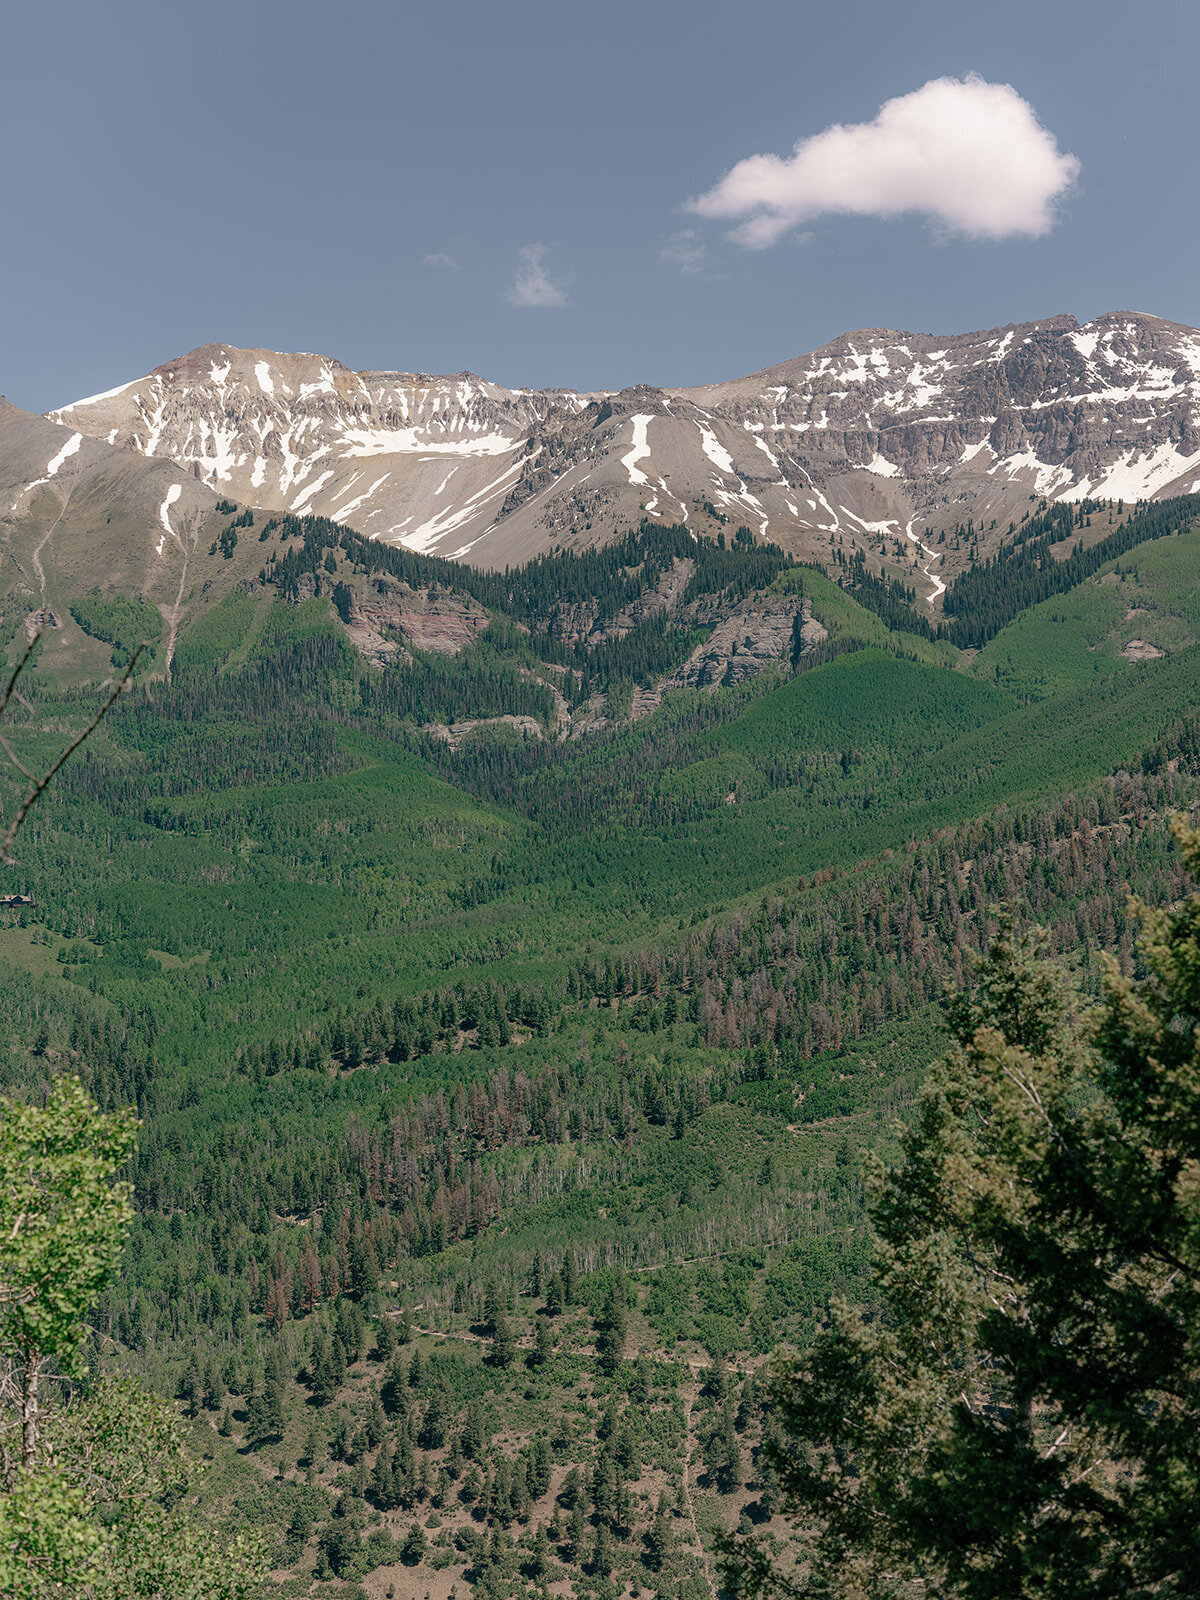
[{"x": 510, "y": 1014}]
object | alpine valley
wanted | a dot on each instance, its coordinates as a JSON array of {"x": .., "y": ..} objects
[{"x": 519, "y": 888}]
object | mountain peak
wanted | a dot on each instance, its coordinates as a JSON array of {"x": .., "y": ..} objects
[{"x": 881, "y": 440}]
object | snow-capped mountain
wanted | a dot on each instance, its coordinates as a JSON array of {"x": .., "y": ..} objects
[
  {"x": 880, "y": 440},
  {"x": 403, "y": 457}
]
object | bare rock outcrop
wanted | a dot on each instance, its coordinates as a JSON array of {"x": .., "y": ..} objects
[{"x": 756, "y": 633}]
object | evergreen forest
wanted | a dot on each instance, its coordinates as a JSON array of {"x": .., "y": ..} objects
[{"x": 512, "y": 1029}]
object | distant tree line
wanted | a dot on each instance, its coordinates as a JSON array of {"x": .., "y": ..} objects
[{"x": 988, "y": 597}]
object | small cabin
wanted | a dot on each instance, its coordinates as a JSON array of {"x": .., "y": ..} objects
[{"x": 14, "y": 902}]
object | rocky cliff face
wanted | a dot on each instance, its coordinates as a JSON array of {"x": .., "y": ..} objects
[
  {"x": 747, "y": 637},
  {"x": 433, "y": 619},
  {"x": 883, "y": 441}
]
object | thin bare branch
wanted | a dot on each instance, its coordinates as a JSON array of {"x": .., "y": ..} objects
[
  {"x": 18, "y": 670},
  {"x": 1050, "y": 1449},
  {"x": 16, "y": 761},
  {"x": 41, "y": 784}
]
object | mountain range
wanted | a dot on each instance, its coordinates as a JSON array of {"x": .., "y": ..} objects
[{"x": 881, "y": 441}]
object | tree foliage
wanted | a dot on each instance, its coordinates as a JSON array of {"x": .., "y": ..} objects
[
  {"x": 63, "y": 1223},
  {"x": 986, "y": 598},
  {"x": 94, "y": 1486},
  {"x": 1022, "y": 1419}
]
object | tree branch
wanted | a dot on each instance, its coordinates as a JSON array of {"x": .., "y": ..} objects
[
  {"x": 15, "y": 759},
  {"x": 18, "y": 670},
  {"x": 40, "y": 785}
]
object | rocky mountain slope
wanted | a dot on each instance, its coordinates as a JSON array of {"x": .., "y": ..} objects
[
  {"x": 883, "y": 441},
  {"x": 408, "y": 458},
  {"x": 80, "y": 516}
]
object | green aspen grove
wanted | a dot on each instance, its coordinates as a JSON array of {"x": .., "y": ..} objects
[
  {"x": 93, "y": 1488},
  {"x": 63, "y": 1223}
]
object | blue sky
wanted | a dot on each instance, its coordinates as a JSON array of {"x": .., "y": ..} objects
[{"x": 377, "y": 182}]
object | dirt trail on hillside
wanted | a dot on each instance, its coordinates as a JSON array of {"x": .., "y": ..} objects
[
  {"x": 187, "y": 541},
  {"x": 689, "y": 1450}
]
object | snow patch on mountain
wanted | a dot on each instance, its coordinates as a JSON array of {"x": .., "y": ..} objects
[
  {"x": 69, "y": 449},
  {"x": 1047, "y": 480},
  {"x": 108, "y": 394},
  {"x": 970, "y": 451},
  {"x": 351, "y": 506},
  {"x": 408, "y": 441},
  {"x": 715, "y": 450},
  {"x": 300, "y": 504},
  {"x": 1137, "y": 475},
  {"x": 640, "y": 450},
  {"x": 429, "y": 533},
  {"x": 164, "y": 516}
]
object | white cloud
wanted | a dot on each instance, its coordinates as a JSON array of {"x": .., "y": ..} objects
[
  {"x": 438, "y": 258},
  {"x": 970, "y": 155},
  {"x": 532, "y": 285},
  {"x": 685, "y": 251}
]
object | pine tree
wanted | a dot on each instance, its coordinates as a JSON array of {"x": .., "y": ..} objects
[
  {"x": 412, "y": 1550},
  {"x": 314, "y": 1444},
  {"x": 539, "y": 1566},
  {"x": 493, "y": 1308},
  {"x": 393, "y": 1392},
  {"x": 327, "y": 1370},
  {"x": 380, "y": 1486},
  {"x": 659, "y": 1542},
  {"x": 543, "y": 1343},
  {"x": 504, "y": 1344},
  {"x": 603, "y": 1558},
  {"x": 433, "y": 1425},
  {"x": 1024, "y": 1419},
  {"x": 555, "y": 1298},
  {"x": 374, "y": 1422},
  {"x": 385, "y": 1339},
  {"x": 474, "y": 1431},
  {"x": 539, "y": 1469},
  {"x": 265, "y": 1413},
  {"x": 214, "y": 1389},
  {"x": 191, "y": 1388},
  {"x": 612, "y": 1328},
  {"x": 576, "y": 1533},
  {"x": 570, "y": 1278}
]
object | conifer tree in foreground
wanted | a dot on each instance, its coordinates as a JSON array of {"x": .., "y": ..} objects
[{"x": 1023, "y": 1418}]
